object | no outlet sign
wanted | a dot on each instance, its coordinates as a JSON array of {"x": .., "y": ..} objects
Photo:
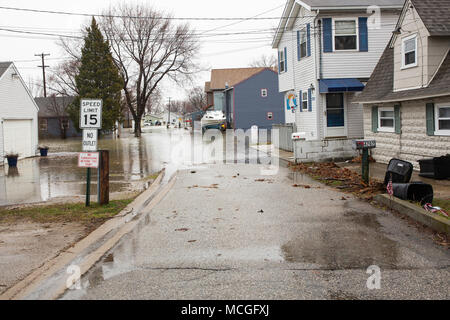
[{"x": 91, "y": 114}]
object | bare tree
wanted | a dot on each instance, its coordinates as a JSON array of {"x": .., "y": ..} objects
[
  {"x": 197, "y": 98},
  {"x": 147, "y": 48},
  {"x": 269, "y": 61},
  {"x": 58, "y": 106}
]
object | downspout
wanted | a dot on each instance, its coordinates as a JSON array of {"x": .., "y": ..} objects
[{"x": 320, "y": 130}]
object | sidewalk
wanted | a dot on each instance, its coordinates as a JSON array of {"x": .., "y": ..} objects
[
  {"x": 378, "y": 170},
  {"x": 271, "y": 149}
]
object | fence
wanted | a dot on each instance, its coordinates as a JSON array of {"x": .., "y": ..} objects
[{"x": 285, "y": 141}]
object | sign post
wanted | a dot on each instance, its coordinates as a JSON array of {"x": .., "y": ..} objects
[
  {"x": 90, "y": 122},
  {"x": 88, "y": 160},
  {"x": 364, "y": 145}
]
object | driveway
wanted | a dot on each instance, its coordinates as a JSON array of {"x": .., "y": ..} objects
[{"x": 227, "y": 232}]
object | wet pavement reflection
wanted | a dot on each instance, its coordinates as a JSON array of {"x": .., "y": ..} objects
[{"x": 132, "y": 160}]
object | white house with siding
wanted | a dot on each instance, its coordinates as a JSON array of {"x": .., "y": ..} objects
[
  {"x": 18, "y": 115},
  {"x": 407, "y": 99},
  {"x": 327, "y": 51}
]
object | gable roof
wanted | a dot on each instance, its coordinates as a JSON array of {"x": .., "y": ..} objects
[
  {"x": 379, "y": 89},
  {"x": 45, "y": 105},
  {"x": 3, "y": 67},
  {"x": 435, "y": 14},
  {"x": 221, "y": 77},
  {"x": 292, "y": 9}
]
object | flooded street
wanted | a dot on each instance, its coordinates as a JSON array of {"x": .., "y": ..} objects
[
  {"x": 132, "y": 160},
  {"x": 42, "y": 179}
]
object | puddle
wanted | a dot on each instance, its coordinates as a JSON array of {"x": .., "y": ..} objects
[{"x": 356, "y": 242}]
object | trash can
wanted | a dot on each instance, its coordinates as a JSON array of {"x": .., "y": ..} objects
[
  {"x": 435, "y": 168},
  {"x": 401, "y": 171},
  {"x": 415, "y": 191}
]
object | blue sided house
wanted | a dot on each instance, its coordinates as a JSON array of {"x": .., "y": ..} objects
[{"x": 248, "y": 97}]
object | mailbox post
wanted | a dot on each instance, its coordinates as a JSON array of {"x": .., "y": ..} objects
[{"x": 365, "y": 145}]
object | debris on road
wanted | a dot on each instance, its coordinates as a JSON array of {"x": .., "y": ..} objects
[
  {"x": 343, "y": 179},
  {"x": 182, "y": 230}
]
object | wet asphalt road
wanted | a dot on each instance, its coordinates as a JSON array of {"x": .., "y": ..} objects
[{"x": 220, "y": 234}]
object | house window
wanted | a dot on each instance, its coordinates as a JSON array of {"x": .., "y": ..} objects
[
  {"x": 282, "y": 61},
  {"x": 305, "y": 100},
  {"x": 386, "y": 119},
  {"x": 43, "y": 125},
  {"x": 302, "y": 43},
  {"x": 345, "y": 35},
  {"x": 409, "y": 52},
  {"x": 442, "y": 119},
  {"x": 264, "y": 93}
]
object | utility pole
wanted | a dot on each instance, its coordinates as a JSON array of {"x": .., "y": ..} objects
[
  {"x": 168, "y": 124},
  {"x": 43, "y": 66}
]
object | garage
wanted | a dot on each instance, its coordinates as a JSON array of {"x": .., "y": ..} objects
[
  {"x": 18, "y": 115},
  {"x": 17, "y": 137}
]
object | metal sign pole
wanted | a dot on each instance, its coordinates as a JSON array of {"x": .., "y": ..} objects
[{"x": 88, "y": 188}]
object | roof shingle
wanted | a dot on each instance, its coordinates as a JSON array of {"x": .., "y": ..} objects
[
  {"x": 222, "y": 77},
  {"x": 380, "y": 86},
  {"x": 435, "y": 14}
]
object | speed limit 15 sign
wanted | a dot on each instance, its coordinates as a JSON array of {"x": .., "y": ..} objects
[{"x": 91, "y": 114}]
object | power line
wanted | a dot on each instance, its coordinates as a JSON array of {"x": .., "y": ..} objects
[{"x": 141, "y": 17}]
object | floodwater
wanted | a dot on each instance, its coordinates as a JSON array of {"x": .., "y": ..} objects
[{"x": 132, "y": 160}]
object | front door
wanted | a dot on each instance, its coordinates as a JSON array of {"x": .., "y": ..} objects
[{"x": 335, "y": 115}]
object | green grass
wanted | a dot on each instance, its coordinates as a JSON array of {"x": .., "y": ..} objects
[{"x": 65, "y": 212}]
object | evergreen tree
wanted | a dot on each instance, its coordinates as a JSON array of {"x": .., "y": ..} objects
[{"x": 98, "y": 78}]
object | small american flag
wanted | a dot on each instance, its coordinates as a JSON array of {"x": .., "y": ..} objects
[{"x": 390, "y": 188}]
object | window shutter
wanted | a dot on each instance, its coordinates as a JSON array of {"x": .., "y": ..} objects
[
  {"x": 309, "y": 100},
  {"x": 430, "y": 119},
  {"x": 285, "y": 59},
  {"x": 308, "y": 39},
  {"x": 363, "y": 34},
  {"x": 374, "y": 119},
  {"x": 327, "y": 35},
  {"x": 298, "y": 46},
  {"x": 300, "y": 102},
  {"x": 398, "y": 119},
  {"x": 279, "y": 63}
]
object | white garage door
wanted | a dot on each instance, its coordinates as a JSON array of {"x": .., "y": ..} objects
[{"x": 17, "y": 137}]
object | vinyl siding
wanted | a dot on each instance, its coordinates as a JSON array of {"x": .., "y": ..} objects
[
  {"x": 355, "y": 125},
  {"x": 305, "y": 75},
  {"x": 355, "y": 64},
  {"x": 414, "y": 77},
  {"x": 15, "y": 102},
  {"x": 251, "y": 109}
]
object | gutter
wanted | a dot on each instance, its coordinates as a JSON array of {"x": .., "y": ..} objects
[{"x": 404, "y": 99}]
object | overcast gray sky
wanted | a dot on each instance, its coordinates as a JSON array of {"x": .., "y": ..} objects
[{"x": 228, "y": 51}]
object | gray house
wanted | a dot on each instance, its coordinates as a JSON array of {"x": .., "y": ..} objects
[
  {"x": 248, "y": 97},
  {"x": 54, "y": 121}
]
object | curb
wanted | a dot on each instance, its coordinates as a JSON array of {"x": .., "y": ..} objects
[
  {"x": 433, "y": 221},
  {"x": 87, "y": 251}
]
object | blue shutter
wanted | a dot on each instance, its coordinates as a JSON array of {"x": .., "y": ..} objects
[
  {"x": 363, "y": 34},
  {"x": 308, "y": 39},
  {"x": 279, "y": 63},
  {"x": 300, "y": 102},
  {"x": 327, "y": 35},
  {"x": 298, "y": 46},
  {"x": 309, "y": 100},
  {"x": 285, "y": 59}
]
